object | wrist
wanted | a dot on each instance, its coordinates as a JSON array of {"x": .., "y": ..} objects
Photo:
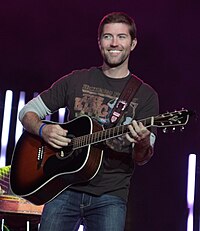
[
  {"x": 142, "y": 156},
  {"x": 41, "y": 128}
]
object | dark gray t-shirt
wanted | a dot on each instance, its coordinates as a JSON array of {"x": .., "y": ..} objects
[{"x": 91, "y": 92}]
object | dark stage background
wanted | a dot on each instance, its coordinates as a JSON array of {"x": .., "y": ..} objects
[{"x": 42, "y": 40}]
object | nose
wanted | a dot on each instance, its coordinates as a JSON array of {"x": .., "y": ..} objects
[{"x": 114, "y": 42}]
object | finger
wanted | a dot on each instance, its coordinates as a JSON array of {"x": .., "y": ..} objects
[
  {"x": 55, "y": 146},
  {"x": 140, "y": 129},
  {"x": 136, "y": 129},
  {"x": 135, "y": 139},
  {"x": 63, "y": 139},
  {"x": 60, "y": 140},
  {"x": 60, "y": 131},
  {"x": 132, "y": 136},
  {"x": 132, "y": 131},
  {"x": 137, "y": 126},
  {"x": 59, "y": 143}
]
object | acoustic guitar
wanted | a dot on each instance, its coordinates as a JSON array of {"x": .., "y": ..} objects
[{"x": 40, "y": 172}]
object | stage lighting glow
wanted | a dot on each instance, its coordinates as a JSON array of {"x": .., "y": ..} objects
[
  {"x": 61, "y": 115},
  {"x": 6, "y": 126},
  {"x": 191, "y": 190},
  {"x": 19, "y": 127}
]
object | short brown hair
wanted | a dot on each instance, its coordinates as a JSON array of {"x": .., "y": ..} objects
[{"x": 118, "y": 17}]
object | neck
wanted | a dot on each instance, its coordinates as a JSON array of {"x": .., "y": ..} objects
[{"x": 115, "y": 72}]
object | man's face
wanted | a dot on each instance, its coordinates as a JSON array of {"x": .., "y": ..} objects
[{"x": 115, "y": 44}]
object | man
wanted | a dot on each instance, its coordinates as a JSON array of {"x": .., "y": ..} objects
[{"x": 100, "y": 203}]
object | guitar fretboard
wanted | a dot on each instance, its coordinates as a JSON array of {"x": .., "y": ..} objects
[
  {"x": 106, "y": 134},
  {"x": 169, "y": 119}
]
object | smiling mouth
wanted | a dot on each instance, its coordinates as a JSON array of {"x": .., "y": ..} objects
[{"x": 114, "y": 52}]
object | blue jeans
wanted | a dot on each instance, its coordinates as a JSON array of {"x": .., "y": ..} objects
[{"x": 96, "y": 213}]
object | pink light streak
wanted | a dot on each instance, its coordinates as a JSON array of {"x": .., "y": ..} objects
[{"x": 191, "y": 190}]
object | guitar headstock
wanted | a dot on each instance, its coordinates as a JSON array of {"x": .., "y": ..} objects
[{"x": 172, "y": 119}]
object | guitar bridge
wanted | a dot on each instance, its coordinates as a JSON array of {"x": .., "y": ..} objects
[{"x": 40, "y": 156}]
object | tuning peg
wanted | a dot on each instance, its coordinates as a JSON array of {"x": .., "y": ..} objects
[
  {"x": 182, "y": 129},
  {"x": 165, "y": 130},
  {"x": 173, "y": 129}
]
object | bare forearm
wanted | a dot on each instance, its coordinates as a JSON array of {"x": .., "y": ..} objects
[{"x": 31, "y": 122}]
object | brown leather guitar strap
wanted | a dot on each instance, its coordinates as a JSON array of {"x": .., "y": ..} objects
[{"x": 124, "y": 99}]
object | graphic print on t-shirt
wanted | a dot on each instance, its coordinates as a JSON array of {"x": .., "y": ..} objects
[{"x": 98, "y": 103}]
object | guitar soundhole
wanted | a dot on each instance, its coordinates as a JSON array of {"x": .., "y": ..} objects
[
  {"x": 67, "y": 151},
  {"x": 70, "y": 163},
  {"x": 63, "y": 154}
]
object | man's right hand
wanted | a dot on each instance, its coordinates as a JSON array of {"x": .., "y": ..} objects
[{"x": 55, "y": 135}]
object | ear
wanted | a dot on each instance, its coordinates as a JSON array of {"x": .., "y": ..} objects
[
  {"x": 133, "y": 44},
  {"x": 99, "y": 43}
]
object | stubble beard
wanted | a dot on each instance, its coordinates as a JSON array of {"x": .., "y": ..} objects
[{"x": 116, "y": 63}]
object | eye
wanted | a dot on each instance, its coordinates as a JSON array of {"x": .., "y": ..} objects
[
  {"x": 107, "y": 36},
  {"x": 122, "y": 36}
]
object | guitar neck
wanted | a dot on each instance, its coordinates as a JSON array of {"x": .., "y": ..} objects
[
  {"x": 169, "y": 119},
  {"x": 100, "y": 136}
]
